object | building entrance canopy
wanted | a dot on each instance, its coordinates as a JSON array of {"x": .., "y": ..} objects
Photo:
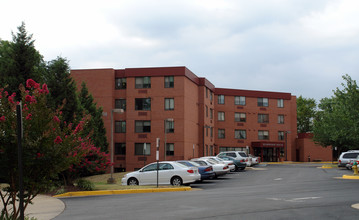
[{"x": 267, "y": 144}]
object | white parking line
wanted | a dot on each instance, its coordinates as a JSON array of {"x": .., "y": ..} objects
[
  {"x": 355, "y": 206},
  {"x": 294, "y": 199}
]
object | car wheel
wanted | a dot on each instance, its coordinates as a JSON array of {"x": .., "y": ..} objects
[
  {"x": 132, "y": 182},
  {"x": 176, "y": 181},
  {"x": 242, "y": 168}
]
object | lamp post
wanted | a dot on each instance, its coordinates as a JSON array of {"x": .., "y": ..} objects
[
  {"x": 286, "y": 145},
  {"x": 111, "y": 180},
  {"x": 165, "y": 144}
]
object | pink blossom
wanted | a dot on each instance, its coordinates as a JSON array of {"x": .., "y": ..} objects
[
  {"x": 79, "y": 127},
  {"x": 28, "y": 98},
  {"x": 38, "y": 155},
  {"x": 56, "y": 119},
  {"x": 11, "y": 99},
  {"x": 28, "y": 117},
  {"x": 58, "y": 140},
  {"x": 44, "y": 89},
  {"x": 2, "y": 118},
  {"x": 32, "y": 84}
]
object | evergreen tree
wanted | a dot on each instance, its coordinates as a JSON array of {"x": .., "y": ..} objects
[
  {"x": 20, "y": 61},
  {"x": 62, "y": 88},
  {"x": 96, "y": 126}
]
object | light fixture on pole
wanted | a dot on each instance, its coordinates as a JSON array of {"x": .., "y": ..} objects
[
  {"x": 165, "y": 144},
  {"x": 111, "y": 180}
]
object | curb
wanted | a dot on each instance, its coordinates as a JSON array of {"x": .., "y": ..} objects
[
  {"x": 125, "y": 191},
  {"x": 350, "y": 177}
]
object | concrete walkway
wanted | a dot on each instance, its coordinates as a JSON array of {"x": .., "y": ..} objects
[{"x": 44, "y": 207}]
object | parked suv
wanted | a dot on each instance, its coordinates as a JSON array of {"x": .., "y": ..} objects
[
  {"x": 238, "y": 155},
  {"x": 346, "y": 157}
]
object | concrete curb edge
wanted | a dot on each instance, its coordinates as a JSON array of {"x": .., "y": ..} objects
[{"x": 125, "y": 191}]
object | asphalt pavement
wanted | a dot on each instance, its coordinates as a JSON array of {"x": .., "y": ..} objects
[{"x": 46, "y": 207}]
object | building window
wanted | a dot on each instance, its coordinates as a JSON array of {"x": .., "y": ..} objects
[
  {"x": 169, "y": 126},
  {"x": 240, "y": 134},
  {"x": 169, "y": 103},
  {"x": 263, "y": 135},
  {"x": 263, "y": 118},
  {"x": 120, "y": 126},
  {"x": 220, "y": 116},
  {"x": 221, "y": 134},
  {"x": 120, "y": 83},
  {"x": 280, "y": 135},
  {"x": 211, "y": 113},
  {"x": 143, "y": 104},
  {"x": 240, "y": 117},
  {"x": 220, "y": 99},
  {"x": 142, "y": 149},
  {"x": 169, "y": 81},
  {"x": 240, "y": 100},
  {"x": 120, "y": 148},
  {"x": 263, "y": 102},
  {"x": 211, "y": 131},
  {"x": 206, "y": 111},
  {"x": 206, "y": 92},
  {"x": 170, "y": 149},
  {"x": 143, "y": 82},
  {"x": 280, "y": 103},
  {"x": 142, "y": 126},
  {"x": 280, "y": 119},
  {"x": 120, "y": 103},
  {"x": 210, "y": 96}
]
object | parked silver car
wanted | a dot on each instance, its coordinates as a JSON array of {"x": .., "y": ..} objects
[
  {"x": 239, "y": 155},
  {"x": 346, "y": 157}
]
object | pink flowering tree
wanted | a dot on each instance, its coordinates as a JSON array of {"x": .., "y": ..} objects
[{"x": 50, "y": 146}]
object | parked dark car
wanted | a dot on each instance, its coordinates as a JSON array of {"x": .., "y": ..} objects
[
  {"x": 205, "y": 171},
  {"x": 237, "y": 163}
]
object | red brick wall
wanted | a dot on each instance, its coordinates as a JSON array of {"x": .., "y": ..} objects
[{"x": 307, "y": 148}]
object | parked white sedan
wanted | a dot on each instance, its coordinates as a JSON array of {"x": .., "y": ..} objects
[
  {"x": 218, "y": 168},
  {"x": 169, "y": 172},
  {"x": 230, "y": 164}
]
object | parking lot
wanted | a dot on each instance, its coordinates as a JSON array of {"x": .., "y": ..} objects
[{"x": 292, "y": 191}]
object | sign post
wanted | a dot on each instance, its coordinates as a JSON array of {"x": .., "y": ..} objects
[
  {"x": 21, "y": 174},
  {"x": 157, "y": 155}
]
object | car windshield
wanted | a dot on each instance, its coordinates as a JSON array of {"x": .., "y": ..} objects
[
  {"x": 242, "y": 154},
  {"x": 202, "y": 163},
  {"x": 193, "y": 163},
  {"x": 183, "y": 163},
  {"x": 350, "y": 155},
  {"x": 212, "y": 162}
]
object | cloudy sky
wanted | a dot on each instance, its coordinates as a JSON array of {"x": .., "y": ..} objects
[{"x": 298, "y": 46}]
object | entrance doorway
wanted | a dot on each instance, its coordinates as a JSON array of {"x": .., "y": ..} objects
[{"x": 267, "y": 154}]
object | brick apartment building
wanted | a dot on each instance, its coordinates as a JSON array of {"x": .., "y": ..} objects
[{"x": 200, "y": 119}]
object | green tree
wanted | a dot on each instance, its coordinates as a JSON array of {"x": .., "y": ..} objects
[
  {"x": 48, "y": 144},
  {"x": 337, "y": 121},
  {"x": 19, "y": 61},
  {"x": 306, "y": 109},
  {"x": 62, "y": 88},
  {"x": 96, "y": 128}
]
